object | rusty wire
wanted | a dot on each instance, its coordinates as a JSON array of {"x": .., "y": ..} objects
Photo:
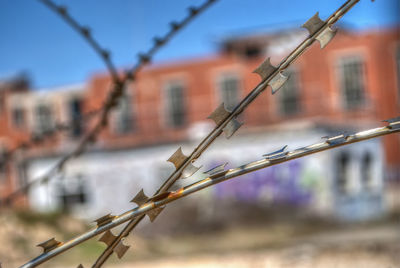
[
  {"x": 118, "y": 86},
  {"x": 217, "y": 175}
]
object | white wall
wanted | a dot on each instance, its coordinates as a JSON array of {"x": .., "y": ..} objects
[{"x": 113, "y": 178}]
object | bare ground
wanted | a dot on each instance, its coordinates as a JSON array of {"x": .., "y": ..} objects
[{"x": 278, "y": 245}]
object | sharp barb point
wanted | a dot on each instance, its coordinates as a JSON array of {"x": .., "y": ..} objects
[
  {"x": 178, "y": 158},
  {"x": 313, "y": 24},
  {"x": 277, "y": 82},
  {"x": 189, "y": 171},
  {"x": 121, "y": 249},
  {"x": 49, "y": 245},
  {"x": 104, "y": 220},
  {"x": 219, "y": 114},
  {"x": 107, "y": 238},
  {"x": 265, "y": 69},
  {"x": 140, "y": 198},
  {"x": 175, "y": 26},
  {"x": 337, "y": 139},
  {"x": 153, "y": 214},
  {"x": 216, "y": 171},
  {"x": 232, "y": 127},
  {"x": 326, "y": 36},
  {"x": 277, "y": 155}
]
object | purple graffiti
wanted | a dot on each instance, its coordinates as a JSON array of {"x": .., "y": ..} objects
[{"x": 276, "y": 184}]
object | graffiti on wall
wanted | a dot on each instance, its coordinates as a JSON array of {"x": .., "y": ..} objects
[{"x": 288, "y": 183}]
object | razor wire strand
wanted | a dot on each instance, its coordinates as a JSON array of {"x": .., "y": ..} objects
[
  {"x": 270, "y": 75},
  {"x": 215, "y": 176},
  {"x": 118, "y": 85}
]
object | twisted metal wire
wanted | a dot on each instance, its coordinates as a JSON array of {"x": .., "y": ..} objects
[
  {"x": 118, "y": 86},
  {"x": 216, "y": 177},
  {"x": 229, "y": 117}
]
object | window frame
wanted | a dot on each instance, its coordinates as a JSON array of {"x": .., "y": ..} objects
[
  {"x": 397, "y": 69},
  {"x": 23, "y": 125},
  {"x": 118, "y": 113},
  {"x": 340, "y": 63},
  {"x": 224, "y": 76},
  {"x": 168, "y": 85},
  {"x": 38, "y": 127},
  {"x": 291, "y": 72}
]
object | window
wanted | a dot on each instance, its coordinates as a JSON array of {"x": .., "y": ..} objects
[
  {"x": 398, "y": 72},
  {"x": 3, "y": 163},
  {"x": 18, "y": 117},
  {"x": 75, "y": 111},
  {"x": 366, "y": 171},
  {"x": 175, "y": 104},
  {"x": 44, "y": 121},
  {"x": 289, "y": 95},
  {"x": 1, "y": 101},
  {"x": 72, "y": 193},
  {"x": 124, "y": 122},
  {"x": 342, "y": 172},
  {"x": 253, "y": 51},
  {"x": 22, "y": 173},
  {"x": 229, "y": 91},
  {"x": 351, "y": 72}
]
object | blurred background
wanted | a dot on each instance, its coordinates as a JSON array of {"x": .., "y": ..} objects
[{"x": 333, "y": 209}]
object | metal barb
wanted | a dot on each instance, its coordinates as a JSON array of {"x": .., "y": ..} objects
[
  {"x": 177, "y": 158},
  {"x": 189, "y": 171},
  {"x": 107, "y": 238},
  {"x": 49, "y": 245},
  {"x": 265, "y": 69},
  {"x": 337, "y": 139},
  {"x": 277, "y": 155},
  {"x": 144, "y": 57},
  {"x": 284, "y": 64},
  {"x": 216, "y": 171},
  {"x": 175, "y": 26},
  {"x": 158, "y": 41},
  {"x": 277, "y": 82},
  {"x": 193, "y": 11},
  {"x": 104, "y": 220},
  {"x": 137, "y": 213},
  {"x": 313, "y": 24},
  {"x": 202, "y": 184},
  {"x": 394, "y": 123},
  {"x": 219, "y": 114},
  {"x": 326, "y": 36},
  {"x": 85, "y": 31},
  {"x": 140, "y": 198},
  {"x": 232, "y": 127},
  {"x": 121, "y": 249},
  {"x": 159, "y": 196},
  {"x": 153, "y": 214}
]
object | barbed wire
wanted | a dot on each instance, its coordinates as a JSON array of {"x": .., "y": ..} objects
[
  {"x": 147, "y": 206},
  {"x": 118, "y": 86},
  {"x": 227, "y": 122},
  {"x": 86, "y": 33},
  {"x": 37, "y": 138}
]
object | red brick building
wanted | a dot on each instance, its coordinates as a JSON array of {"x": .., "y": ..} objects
[
  {"x": 354, "y": 83},
  {"x": 354, "y": 80}
]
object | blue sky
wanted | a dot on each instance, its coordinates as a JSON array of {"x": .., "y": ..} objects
[{"x": 35, "y": 40}]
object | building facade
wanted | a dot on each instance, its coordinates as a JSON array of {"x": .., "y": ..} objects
[{"x": 350, "y": 85}]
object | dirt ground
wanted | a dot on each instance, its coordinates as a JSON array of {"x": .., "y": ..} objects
[
  {"x": 276, "y": 245},
  {"x": 367, "y": 246}
]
